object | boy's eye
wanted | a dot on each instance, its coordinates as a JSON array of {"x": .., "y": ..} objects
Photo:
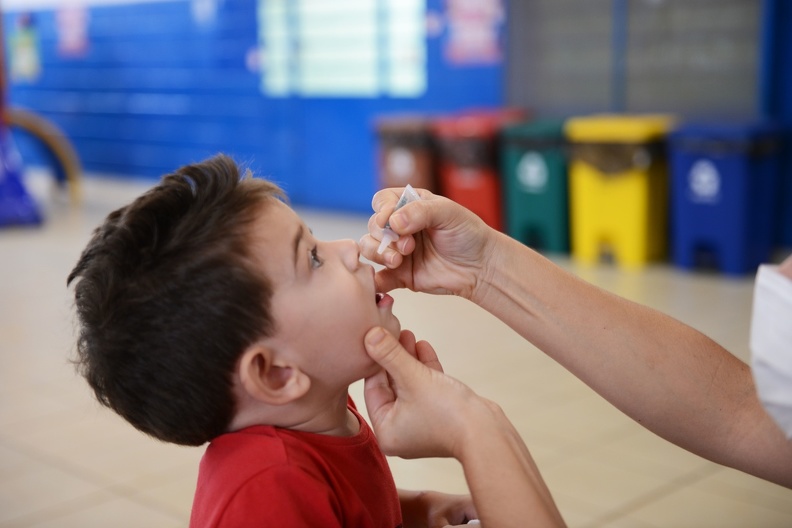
[{"x": 315, "y": 260}]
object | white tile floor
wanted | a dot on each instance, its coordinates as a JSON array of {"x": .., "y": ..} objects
[{"x": 66, "y": 462}]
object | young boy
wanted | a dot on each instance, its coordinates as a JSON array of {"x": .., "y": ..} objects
[{"x": 209, "y": 313}]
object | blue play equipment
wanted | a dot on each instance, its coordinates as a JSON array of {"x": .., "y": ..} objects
[{"x": 17, "y": 206}]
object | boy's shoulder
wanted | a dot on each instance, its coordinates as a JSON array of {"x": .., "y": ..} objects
[
  {"x": 241, "y": 454},
  {"x": 264, "y": 472},
  {"x": 297, "y": 472}
]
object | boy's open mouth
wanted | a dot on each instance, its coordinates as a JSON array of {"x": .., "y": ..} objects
[{"x": 383, "y": 300}]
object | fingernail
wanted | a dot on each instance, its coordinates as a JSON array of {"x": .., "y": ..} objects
[
  {"x": 375, "y": 336},
  {"x": 392, "y": 260},
  {"x": 398, "y": 221}
]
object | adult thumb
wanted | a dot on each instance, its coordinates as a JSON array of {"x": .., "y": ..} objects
[{"x": 386, "y": 350}]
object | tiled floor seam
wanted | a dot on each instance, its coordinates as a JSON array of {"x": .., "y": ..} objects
[
  {"x": 54, "y": 511},
  {"x": 660, "y": 492},
  {"x": 119, "y": 490}
]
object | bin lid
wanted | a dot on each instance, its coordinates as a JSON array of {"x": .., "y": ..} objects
[
  {"x": 402, "y": 124},
  {"x": 619, "y": 128},
  {"x": 737, "y": 131},
  {"x": 539, "y": 128},
  {"x": 476, "y": 123}
]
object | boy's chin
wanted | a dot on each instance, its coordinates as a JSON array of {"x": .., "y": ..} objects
[
  {"x": 394, "y": 327},
  {"x": 395, "y": 330},
  {"x": 375, "y": 368}
]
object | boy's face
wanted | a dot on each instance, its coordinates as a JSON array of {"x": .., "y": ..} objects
[{"x": 324, "y": 299}]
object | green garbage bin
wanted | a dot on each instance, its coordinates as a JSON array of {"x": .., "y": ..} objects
[{"x": 535, "y": 184}]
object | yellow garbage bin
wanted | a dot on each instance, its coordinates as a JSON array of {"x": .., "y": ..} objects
[{"x": 618, "y": 187}]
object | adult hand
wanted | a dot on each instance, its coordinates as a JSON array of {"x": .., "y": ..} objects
[
  {"x": 416, "y": 411},
  {"x": 433, "y": 509},
  {"x": 442, "y": 246}
]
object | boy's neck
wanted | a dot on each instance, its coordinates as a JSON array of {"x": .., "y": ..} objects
[{"x": 327, "y": 416}]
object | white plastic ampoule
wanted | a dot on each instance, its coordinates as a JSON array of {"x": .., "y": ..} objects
[{"x": 388, "y": 236}]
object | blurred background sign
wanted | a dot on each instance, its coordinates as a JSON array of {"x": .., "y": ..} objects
[{"x": 348, "y": 48}]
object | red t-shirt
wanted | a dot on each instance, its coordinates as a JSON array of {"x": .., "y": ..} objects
[{"x": 267, "y": 476}]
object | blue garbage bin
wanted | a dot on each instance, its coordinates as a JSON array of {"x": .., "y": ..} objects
[
  {"x": 724, "y": 184},
  {"x": 784, "y": 234}
]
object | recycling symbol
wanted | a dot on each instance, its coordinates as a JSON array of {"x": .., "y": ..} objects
[
  {"x": 704, "y": 181},
  {"x": 532, "y": 173}
]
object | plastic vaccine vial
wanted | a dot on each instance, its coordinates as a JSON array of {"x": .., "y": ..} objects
[{"x": 388, "y": 236}]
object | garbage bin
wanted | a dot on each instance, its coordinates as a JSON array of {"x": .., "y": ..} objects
[
  {"x": 406, "y": 153},
  {"x": 784, "y": 233},
  {"x": 618, "y": 187},
  {"x": 724, "y": 185},
  {"x": 468, "y": 146},
  {"x": 535, "y": 196}
]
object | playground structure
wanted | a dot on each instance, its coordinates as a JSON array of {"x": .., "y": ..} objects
[{"x": 17, "y": 206}]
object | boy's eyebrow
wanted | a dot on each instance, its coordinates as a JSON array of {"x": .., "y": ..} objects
[{"x": 296, "y": 244}]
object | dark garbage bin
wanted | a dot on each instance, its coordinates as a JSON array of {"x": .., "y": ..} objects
[{"x": 406, "y": 153}]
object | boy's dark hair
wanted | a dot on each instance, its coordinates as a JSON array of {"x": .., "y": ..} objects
[{"x": 168, "y": 298}]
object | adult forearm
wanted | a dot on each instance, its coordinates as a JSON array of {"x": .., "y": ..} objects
[
  {"x": 663, "y": 373},
  {"x": 505, "y": 483}
]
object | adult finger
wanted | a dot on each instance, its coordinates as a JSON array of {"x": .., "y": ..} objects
[
  {"x": 429, "y": 212},
  {"x": 379, "y": 391},
  {"x": 378, "y": 394},
  {"x": 413, "y": 217},
  {"x": 387, "y": 280},
  {"x": 383, "y": 348},
  {"x": 390, "y": 258},
  {"x": 426, "y": 354},
  {"x": 407, "y": 340},
  {"x": 386, "y": 198}
]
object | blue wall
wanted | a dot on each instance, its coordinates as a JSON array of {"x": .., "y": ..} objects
[{"x": 156, "y": 90}]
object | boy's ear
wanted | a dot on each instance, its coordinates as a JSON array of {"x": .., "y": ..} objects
[{"x": 268, "y": 379}]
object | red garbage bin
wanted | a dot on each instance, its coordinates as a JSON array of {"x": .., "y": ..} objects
[{"x": 468, "y": 145}]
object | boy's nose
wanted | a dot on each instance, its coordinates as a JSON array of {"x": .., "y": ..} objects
[{"x": 350, "y": 253}]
